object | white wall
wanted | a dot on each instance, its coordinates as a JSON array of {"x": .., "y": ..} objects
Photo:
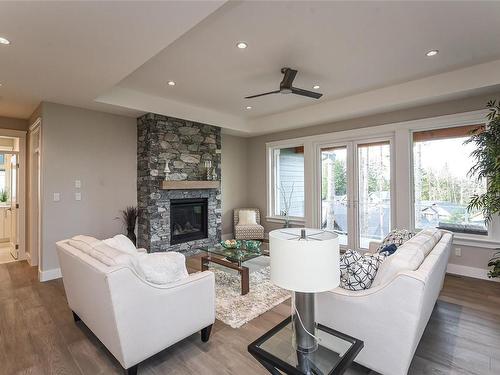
[{"x": 100, "y": 150}]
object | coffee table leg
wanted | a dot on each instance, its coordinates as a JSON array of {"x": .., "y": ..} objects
[
  {"x": 204, "y": 263},
  {"x": 245, "y": 282}
]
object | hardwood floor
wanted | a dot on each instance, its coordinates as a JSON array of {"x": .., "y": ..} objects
[{"x": 38, "y": 335}]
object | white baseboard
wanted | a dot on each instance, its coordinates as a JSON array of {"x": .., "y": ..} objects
[
  {"x": 477, "y": 273},
  {"x": 52, "y": 274}
]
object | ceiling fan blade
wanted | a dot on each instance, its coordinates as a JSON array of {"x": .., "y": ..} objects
[
  {"x": 310, "y": 94},
  {"x": 288, "y": 78},
  {"x": 266, "y": 93}
]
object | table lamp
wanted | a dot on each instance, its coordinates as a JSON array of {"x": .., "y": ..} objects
[{"x": 305, "y": 261}]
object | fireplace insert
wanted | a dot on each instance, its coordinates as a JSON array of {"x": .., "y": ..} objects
[{"x": 188, "y": 220}]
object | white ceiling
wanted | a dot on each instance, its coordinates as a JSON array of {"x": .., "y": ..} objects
[
  {"x": 366, "y": 56},
  {"x": 72, "y": 52}
]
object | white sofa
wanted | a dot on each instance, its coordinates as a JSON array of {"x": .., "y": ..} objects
[
  {"x": 133, "y": 318},
  {"x": 390, "y": 317}
]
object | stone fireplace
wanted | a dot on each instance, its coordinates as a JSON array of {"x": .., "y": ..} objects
[{"x": 175, "y": 150}]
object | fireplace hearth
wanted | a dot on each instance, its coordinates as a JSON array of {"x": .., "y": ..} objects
[{"x": 188, "y": 220}]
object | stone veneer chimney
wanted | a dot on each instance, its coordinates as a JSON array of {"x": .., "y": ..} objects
[{"x": 183, "y": 146}]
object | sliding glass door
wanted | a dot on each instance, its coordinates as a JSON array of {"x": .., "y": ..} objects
[
  {"x": 374, "y": 191},
  {"x": 356, "y": 191},
  {"x": 334, "y": 191}
]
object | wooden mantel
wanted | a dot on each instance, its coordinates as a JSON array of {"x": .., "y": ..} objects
[{"x": 186, "y": 185}]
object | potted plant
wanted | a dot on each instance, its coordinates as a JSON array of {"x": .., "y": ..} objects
[
  {"x": 487, "y": 166},
  {"x": 495, "y": 263},
  {"x": 4, "y": 196},
  {"x": 129, "y": 218},
  {"x": 287, "y": 203}
]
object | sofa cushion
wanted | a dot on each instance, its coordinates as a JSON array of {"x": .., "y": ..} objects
[
  {"x": 358, "y": 271},
  {"x": 427, "y": 239},
  {"x": 408, "y": 257},
  {"x": 247, "y": 217},
  {"x": 396, "y": 237},
  {"x": 122, "y": 243},
  {"x": 162, "y": 268},
  {"x": 157, "y": 268},
  {"x": 83, "y": 243},
  {"x": 99, "y": 250},
  {"x": 111, "y": 256}
]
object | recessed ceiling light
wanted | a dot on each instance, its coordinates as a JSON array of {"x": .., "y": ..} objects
[
  {"x": 248, "y": 107},
  {"x": 171, "y": 83},
  {"x": 4, "y": 41},
  {"x": 316, "y": 87},
  {"x": 242, "y": 45},
  {"x": 431, "y": 53}
]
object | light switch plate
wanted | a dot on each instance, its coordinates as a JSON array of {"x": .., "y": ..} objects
[
  {"x": 458, "y": 251},
  {"x": 78, "y": 184},
  {"x": 78, "y": 196},
  {"x": 57, "y": 197}
]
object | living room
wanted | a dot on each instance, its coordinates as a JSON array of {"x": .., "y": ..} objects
[{"x": 164, "y": 158}]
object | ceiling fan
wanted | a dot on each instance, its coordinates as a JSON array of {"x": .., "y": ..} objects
[{"x": 287, "y": 88}]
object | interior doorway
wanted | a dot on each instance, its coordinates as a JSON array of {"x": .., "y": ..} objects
[{"x": 12, "y": 225}]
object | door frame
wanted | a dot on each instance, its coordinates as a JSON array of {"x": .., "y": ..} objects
[
  {"x": 21, "y": 199},
  {"x": 351, "y": 144},
  {"x": 35, "y": 255}
]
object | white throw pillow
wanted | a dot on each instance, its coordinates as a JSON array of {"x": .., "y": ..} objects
[
  {"x": 358, "y": 271},
  {"x": 122, "y": 243},
  {"x": 247, "y": 217},
  {"x": 162, "y": 268}
]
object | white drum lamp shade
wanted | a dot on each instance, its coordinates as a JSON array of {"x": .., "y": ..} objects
[{"x": 307, "y": 265}]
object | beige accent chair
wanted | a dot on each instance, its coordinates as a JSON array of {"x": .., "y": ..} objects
[{"x": 247, "y": 232}]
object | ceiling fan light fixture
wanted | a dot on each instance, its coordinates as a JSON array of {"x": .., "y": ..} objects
[
  {"x": 432, "y": 52},
  {"x": 4, "y": 40},
  {"x": 242, "y": 45},
  {"x": 316, "y": 87},
  {"x": 248, "y": 107},
  {"x": 171, "y": 83}
]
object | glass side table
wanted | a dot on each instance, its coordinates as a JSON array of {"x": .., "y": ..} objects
[{"x": 275, "y": 351}]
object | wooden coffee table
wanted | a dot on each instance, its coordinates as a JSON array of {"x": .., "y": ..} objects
[{"x": 233, "y": 259}]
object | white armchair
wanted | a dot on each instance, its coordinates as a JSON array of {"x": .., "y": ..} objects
[{"x": 133, "y": 318}]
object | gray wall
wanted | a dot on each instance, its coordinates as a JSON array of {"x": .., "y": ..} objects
[
  {"x": 13, "y": 123},
  {"x": 235, "y": 181},
  {"x": 100, "y": 150}
]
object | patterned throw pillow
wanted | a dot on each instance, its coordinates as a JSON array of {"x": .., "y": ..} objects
[
  {"x": 358, "y": 271},
  {"x": 396, "y": 237}
]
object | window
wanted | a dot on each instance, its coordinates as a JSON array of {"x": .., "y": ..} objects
[
  {"x": 442, "y": 188},
  {"x": 374, "y": 191},
  {"x": 288, "y": 181}
]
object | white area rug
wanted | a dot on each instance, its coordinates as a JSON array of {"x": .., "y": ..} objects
[{"x": 234, "y": 309}]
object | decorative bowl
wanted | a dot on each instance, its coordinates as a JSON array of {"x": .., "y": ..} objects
[
  {"x": 253, "y": 245},
  {"x": 231, "y": 244}
]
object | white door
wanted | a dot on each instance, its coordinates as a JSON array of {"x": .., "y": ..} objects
[
  {"x": 14, "y": 178},
  {"x": 355, "y": 191},
  {"x": 336, "y": 187}
]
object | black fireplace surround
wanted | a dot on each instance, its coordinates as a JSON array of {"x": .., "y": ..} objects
[{"x": 188, "y": 220}]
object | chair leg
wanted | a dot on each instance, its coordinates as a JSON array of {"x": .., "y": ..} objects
[
  {"x": 205, "y": 333},
  {"x": 131, "y": 371},
  {"x": 76, "y": 317}
]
